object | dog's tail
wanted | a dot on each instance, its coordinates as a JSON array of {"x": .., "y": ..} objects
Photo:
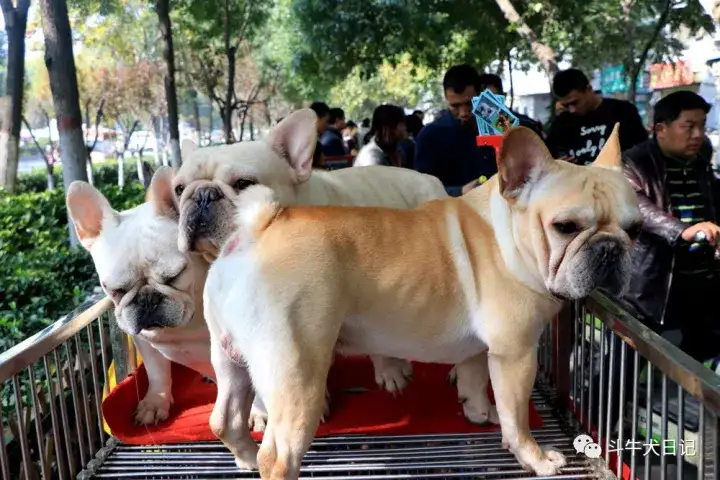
[{"x": 255, "y": 209}]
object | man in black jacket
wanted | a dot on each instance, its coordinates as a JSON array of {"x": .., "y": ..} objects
[{"x": 676, "y": 281}]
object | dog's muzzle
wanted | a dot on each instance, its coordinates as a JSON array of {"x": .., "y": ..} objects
[
  {"x": 612, "y": 265},
  {"x": 199, "y": 220}
]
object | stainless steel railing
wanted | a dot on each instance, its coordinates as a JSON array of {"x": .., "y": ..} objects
[
  {"x": 53, "y": 384},
  {"x": 52, "y": 387},
  {"x": 652, "y": 408}
]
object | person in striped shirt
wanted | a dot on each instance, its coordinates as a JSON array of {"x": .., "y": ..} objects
[{"x": 676, "y": 279}]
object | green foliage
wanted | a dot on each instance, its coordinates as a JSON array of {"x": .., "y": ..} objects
[{"x": 43, "y": 278}]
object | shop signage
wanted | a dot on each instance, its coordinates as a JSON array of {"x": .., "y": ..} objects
[
  {"x": 668, "y": 75},
  {"x": 614, "y": 80}
]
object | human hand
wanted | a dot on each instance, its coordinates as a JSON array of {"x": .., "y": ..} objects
[
  {"x": 469, "y": 186},
  {"x": 708, "y": 229}
]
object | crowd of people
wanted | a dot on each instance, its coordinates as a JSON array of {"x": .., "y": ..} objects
[{"x": 669, "y": 166}]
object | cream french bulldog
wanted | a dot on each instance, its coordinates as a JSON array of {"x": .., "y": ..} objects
[
  {"x": 470, "y": 281},
  {"x": 211, "y": 178},
  {"x": 156, "y": 289}
]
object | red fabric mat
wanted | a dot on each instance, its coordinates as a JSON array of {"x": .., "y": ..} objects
[{"x": 428, "y": 405}]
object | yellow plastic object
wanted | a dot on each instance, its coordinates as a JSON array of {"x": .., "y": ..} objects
[{"x": 112, "y": 381}]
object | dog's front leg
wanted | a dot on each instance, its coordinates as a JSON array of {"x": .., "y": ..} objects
[
  {"x": 231, "y": 413},
  {"x": 155, "y": 407},
  {"x": 513, "y": 375}
]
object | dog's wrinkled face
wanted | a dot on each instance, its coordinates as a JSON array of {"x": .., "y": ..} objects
[
  {"x": 575, "y": 224},
  {"x": 152, "y": 284},
  {"x": 210, "y": 179}
]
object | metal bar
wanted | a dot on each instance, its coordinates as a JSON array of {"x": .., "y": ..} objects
[
  {"x": 621, "y": 408},
  {"x": 601, "y": 403},
  {"x": 636, "y": 402},
  {"x": 591, "y": 379},
  {"x": 103, "y": 351},
  {"x": 562, "y": 345},
  {"x": 663, "y": 427},
  {"x": 37, "y": 418},
  {"x": 697, "y": 380},
  {"x": 76, "y": 403},
  {"x": 66, "y": 427},
  {"x": 608, "y": 416},
  {"x": 96, "y": 383},
  {"x": 701, "y": 443},
  {"x": 19, "y": 412},
  {"x": 4, "y": 460},
  {"x": 27, "y": 352},
  {"x": 576, "y": 366},
  {"x": 55, "y": 396},
  {"x": 680, "y": 446},
  {"x": 85, "y": 398},
  {"x": 648, "y": 415},
  {"x": 582, "y": 364}
]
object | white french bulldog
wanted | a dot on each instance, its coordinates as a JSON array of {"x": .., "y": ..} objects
[
  {"x": 156, "y": 289},
  {"x": 210, "y": 178},
  {"x": 470, "y": 281}
]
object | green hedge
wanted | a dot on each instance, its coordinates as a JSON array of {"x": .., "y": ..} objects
[{"x": 42, "y": 277}]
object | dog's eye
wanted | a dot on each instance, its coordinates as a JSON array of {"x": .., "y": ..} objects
[
  {"x": 566, "y": 228},
  {"x": 243, "y": 183},
  {"x": 171, "y": 280},
  {"x": 179, "y": 190}
]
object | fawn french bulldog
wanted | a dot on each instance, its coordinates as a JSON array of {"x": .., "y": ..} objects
[{"x": 470, "y": 281}]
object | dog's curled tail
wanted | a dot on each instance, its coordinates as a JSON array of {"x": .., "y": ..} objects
[{"x": 255, "y": 209}]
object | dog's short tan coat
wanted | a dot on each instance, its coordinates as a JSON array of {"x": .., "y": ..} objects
[{"x": 460, "y": 280}]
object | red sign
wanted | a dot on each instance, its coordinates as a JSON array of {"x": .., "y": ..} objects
[{"x": 668, "y": 75}]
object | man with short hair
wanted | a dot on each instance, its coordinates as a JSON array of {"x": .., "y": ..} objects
[
  {"x": 675, "y": 278},
  {"x": 579, "y": 134},
  {"x": 494, "y": 84},
  {"x": 323, "y": 113},
  {"x": 447, "y": 147},
  {"x": 332, "y": 139}
]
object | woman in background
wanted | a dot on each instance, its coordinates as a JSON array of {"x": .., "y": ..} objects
[{"x": 381, "y": 142}]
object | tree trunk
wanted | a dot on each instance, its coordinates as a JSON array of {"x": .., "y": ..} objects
[
  {"x": 638, "y": 66},
  {"x": 196, "y": 118},
  {"x": 544, "y": 53},
  {"x": 15, "y": 26},
  {"x": 512, "y": 83},
  {"x": 230, "y": 51},
  {"x": 211, "y": 122},
  {"x": 60, "y": 63},
  {"x": 163, "y": 12}
]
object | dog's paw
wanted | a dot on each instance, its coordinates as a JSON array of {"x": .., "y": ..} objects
[
  {"x": 257, "y": 420},
  {"x": 154, "y": 408},
  {"x": 547, "y": 464},
  {"x": 481, "y": 413},
  {"x": 393, "y": 374},
  {"x": 249, "y": 463}
]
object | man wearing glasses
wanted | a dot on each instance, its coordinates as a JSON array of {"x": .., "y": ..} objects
[{"x": 579, "y": 133}]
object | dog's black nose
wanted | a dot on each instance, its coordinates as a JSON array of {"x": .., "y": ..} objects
[
  {"x": 148, "y": 302},
  {"x": 204, "y": 196}
]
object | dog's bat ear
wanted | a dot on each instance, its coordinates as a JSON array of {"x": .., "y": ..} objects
[
  {"x": 294, "y": 139},
  {"x": 160, "y": 193},
  {"x": 609, "y": 156},
  {"x": 523, "y": 159},
  {"x": 89, "y": 211}
]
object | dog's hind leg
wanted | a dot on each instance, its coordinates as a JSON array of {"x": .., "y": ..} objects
[
  {"x": 472, "y": 382},
  {"x": 230, "y": 415},
  {"x": 290, "y": 373},
  {"x": 513, "y": 375}
]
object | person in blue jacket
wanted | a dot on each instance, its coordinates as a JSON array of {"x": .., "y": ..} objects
[{"x": 447, "y": 147}]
